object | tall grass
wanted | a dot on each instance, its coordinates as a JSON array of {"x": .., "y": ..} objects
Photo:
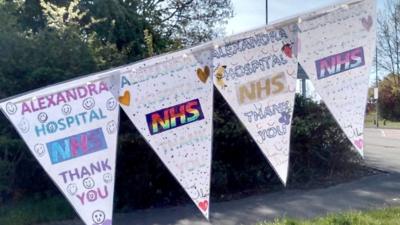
[{"x": 31, "y": 211}]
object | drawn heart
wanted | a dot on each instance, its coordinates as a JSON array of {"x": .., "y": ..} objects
[
  {"x": 367, "y": 22},
  {"x": 203, "y": 74},
  {"x": 203, "y": 205},
  {"x": 287, "y": 50},
  {"x": 125, "y": 99},
  {"x": 359, "y": 143}
]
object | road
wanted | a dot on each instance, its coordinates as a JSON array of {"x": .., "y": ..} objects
[
  {"x": 382, "y": 149},
  {"x": 382, "y": 152}
]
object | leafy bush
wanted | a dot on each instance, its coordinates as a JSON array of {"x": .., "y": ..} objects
[
  {"x": 319, "y": 150},
  {"x": 31, "y": 211},
  {"x": 33, "y": 55},
  {"x": 389, "y": 97}
]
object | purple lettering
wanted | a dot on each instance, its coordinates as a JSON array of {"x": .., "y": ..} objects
[
  {"x": 64, "y": 176},
  {"x": 105, "y": 166},
  {"x": 85, "y": 172}
]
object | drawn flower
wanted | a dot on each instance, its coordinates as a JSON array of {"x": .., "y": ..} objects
[{"x": 285, "y": 118}]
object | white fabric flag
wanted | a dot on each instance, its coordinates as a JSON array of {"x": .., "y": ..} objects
[
  {"x": 170, "y": 101},
  {"x": 71, "y": 129},
  {"x": 256, "y": 74},
  {"x": 337, "y": 49}
]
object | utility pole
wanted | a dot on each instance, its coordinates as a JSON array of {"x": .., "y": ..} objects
[
  {"x": 377, "y": 87},
  {"x": 302, "y": 77},
  {"x": 266, "y": 12},
  {"x": 303, "y": 87}
]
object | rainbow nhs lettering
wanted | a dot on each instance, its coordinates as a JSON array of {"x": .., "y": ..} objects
[
  {"x": 339, "y": 63},
  {"x": 76, "y": 146},
  {"x": 175, "y": 116}
]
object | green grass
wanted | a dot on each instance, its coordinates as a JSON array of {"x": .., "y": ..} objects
[
  {"x": 389, "y": 216},
  {"x": 370, "y": 118},
  {"x": 32, "y": 211}
]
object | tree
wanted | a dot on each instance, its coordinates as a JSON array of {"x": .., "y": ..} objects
[
  {"x": 43, "y": 42},
  {"x": 189, "y": 21},
  {"x": 388, "y": 45},
  {"x": 389, "y": 98},
  {"x": 30, "y": 60},
  {"x": 171, "y": 23},
  {"x": 388, "y": 53},
  {"x": 121, "y": 23}
]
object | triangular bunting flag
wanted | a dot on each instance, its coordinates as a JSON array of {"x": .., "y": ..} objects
[
  {"x": 337, "y": 49},
  {"x": 71, "y": 129},
  {"x": 170, "y": 101},
  {"x": 256, "y": 74}
]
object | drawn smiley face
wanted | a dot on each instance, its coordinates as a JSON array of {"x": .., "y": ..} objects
[
  {"x": 24, "y": 126},
  {"x": 42, "y": 117},
  {"x": 107, "y": 178},
  {"x": 11, "y": 108},
  {"x": 111, "y": 127},
  {"x": 39, "y": 149},
  {"x": 66, "y": 109},
  {"x": 88, "y": 183},
  {"x": 89, "y": 103},
  {"x": 111, "y": 104},
  {"x": 91, "y": 196},
  {"x": 72, "y": 189},
  {"x": 98, "y": 217},
  {"x": 52, "y": 127}
]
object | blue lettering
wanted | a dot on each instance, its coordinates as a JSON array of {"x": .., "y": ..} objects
[
  {"x": 59, "y": 150},
  {"x": 124, "y": 82}
]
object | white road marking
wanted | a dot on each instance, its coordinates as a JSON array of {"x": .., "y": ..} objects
[{"x": 383, "y": 133}]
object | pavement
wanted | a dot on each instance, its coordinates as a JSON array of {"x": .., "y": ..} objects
[{"x": 382, "y": 151}]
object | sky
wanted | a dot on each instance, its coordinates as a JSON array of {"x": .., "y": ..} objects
[{"x": 249, "y": 14}]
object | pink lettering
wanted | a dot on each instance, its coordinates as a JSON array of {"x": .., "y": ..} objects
[
  {"x": 71, "y": 95},
  {"x": 81, "y": 198},
  {"x": 42, "y": 102},
  {"x": 325, "y": 67},
  {"x": 103, "y": 87},
  {"x": 63, "y": 97},
  {"x": 33, "y": 107},
  {"x": 50, "y": 100},
  {"x": 81, "y": 145},
  {"x": 93, "y": 195},
  {"x": 82, "y": 92},
  {"x": 25, "y": 108},
  {"x": 60, "y": 98},
  {"x": 92, "y": 89}
]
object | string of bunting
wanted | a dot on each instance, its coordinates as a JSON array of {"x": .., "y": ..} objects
[{"x": 71, "y": 128}]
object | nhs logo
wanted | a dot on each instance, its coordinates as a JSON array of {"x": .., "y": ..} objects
[
  {"x": 76, "y": 146},
  {"x": 339, "y": 63},
  {"x": 174, "y": 116}
]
